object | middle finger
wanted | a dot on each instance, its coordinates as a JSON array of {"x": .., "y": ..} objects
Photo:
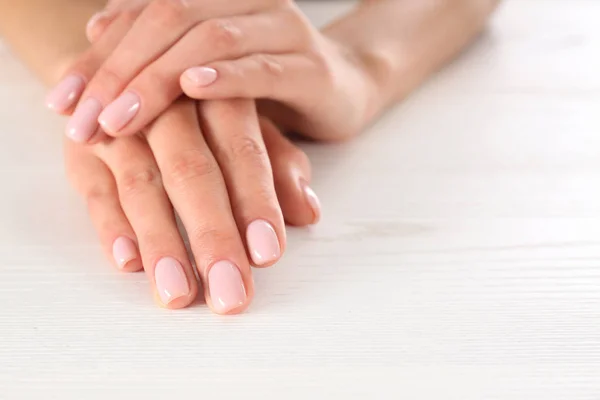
[
  {"x": 149, "y": 211},
  {"x": 193, "y": 180}
]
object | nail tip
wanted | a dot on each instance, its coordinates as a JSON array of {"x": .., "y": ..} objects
[
  {"x": 260, "y": 260},
  {"x": 105, "y": 126},
  {"x": 167, "y": 302},
  {"x": 124, "y": 263},
  {"x": 232, "y": 310},
  {"x": 171, "y": 280},
  {"x": 52, "y": 107}
]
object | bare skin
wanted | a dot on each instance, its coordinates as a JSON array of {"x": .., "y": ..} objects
[{"x": 231, "y": 175}]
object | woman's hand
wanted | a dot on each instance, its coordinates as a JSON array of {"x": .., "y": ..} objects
[
  {"x": 217, "y": 49},
  {"x": 133, "y": 185}
]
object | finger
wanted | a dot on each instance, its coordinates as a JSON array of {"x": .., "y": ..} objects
[
  {"x": 196, "y": 187},
  {"x": 155, "y": 29},
  {"x": 157, "y": 85},
  {"x": 232, "y": 131},
  {"x": 102, "y": 20},
  {"x": 159, "y": 26},
  {"x": 151, "y": 216},
  {"x": 93, "y": 180},
  {"x": 292, "y": 176},
  {"x": 65, "y": 95},
  {"x": 98, "y": 24},
  {"x": 289, "y": 78}
]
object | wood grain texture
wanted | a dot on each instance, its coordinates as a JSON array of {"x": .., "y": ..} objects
[{"x": 459, "y": 255}]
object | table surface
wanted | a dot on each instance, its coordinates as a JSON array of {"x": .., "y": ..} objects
[{"x": 458, "y": 258}]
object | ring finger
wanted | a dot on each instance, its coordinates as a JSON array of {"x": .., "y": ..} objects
[
  {"x": 94, "y": 181},
  {"x": 151, "y": 215},
  {"x": 233, "y": 133}
]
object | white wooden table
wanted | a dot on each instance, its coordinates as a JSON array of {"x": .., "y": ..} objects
[{"x": 459, "y": 256}]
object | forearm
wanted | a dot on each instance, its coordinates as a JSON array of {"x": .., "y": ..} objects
[
  {"x": 402, "y": 42},
  {"x": 47, "y": 34}
]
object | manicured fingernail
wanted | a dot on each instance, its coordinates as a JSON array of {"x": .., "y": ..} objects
[
  {"x": 262, "y": 242},
  {"x": 120, "y": 112},
  {"x": 226, "y": 286},
  {"x": 171, "y": 281},
  {"x": 93, "y": 21},
  {"x": 66, "y": 93},
  {"x": 84, "y": 121},
  {"x": 124, "y": 251},
  {"x": 313, "y": 201},
  {"x": 201, "y": 76}
]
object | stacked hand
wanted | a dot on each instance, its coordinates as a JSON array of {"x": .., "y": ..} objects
[
  {"x": 147, "y": 53},
  {"x": 230, "y": 175}
]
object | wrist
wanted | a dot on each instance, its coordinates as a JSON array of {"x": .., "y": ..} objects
[{"x": 371, "y": 74}]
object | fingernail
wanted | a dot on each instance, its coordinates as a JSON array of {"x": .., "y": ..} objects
[
  {"x": 226, "y": 286},
  {"x": 120, "y": 112},
  {"x": 93, "y": 21},
  {"x": 124, "y": 251},
  {"x": 313, "y": 201},
  {"x": 171, "y": 281},
  {"x": 262, "y": 242},
  {"x": 84, "y": 121},
  {"x": 201, "y": 76},
  {"x": 65, "y": 93}
]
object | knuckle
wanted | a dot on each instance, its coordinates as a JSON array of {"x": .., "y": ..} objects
[
  {"x": 323, "y": 66},
  {"x": 304, "y": 31},
  {"x": 262, "y": 195},
  {"x": 246, "y": 148},
  {"x": 168, "y": 13},
  {"x": 298, "y": 156},
  {"x": 137, "y": 180},
  {"x": 223, "y": 34},
  {"x": 157, "y": 241},
  {"x": 97, "y": 194},
  {"x": 209, "y": 237},
  {"x": 129, "y": 15},
  {"x": 269, "y": 65},
  {"x": 283, "y": 3},
  {"x": 190, "y": 165}
]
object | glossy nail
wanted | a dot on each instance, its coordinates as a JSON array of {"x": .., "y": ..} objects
[
  {"x": 120, "y": 112},
  {"x": 124, "y": 251},
  {"x": 93, "y": 21},
  {"x": 313, "y": 201},
  {"x": 65, "y": 93},
  {"x": 262, "y": 242},
  {"x": 83, "y": 123},
  {"x": 201, "y": 76},
  {"x": 171, "y": 281},
  {"x": 226, "y": 287}
]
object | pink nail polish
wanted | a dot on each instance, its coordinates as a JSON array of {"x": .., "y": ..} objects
[
  {"x": 124, "y": 251},
  {"x": 171, "y": 282},
  {"x": 226, "y": 287},
  {"x": 262, "y": 242},
  {"x": 313, "y": 201},
  {"x": 120, "y": 112},
  {"x": 93, "y": 21},
  {"x": 83, "y": 123},
  {"x": 66, "y": 93},
  {"x": 201, "y": 76}
]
